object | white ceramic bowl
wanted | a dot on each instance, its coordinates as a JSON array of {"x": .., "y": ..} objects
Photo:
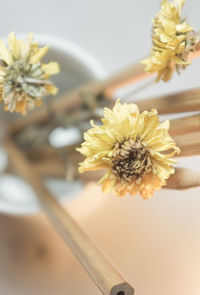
[{"x": 77, "y": 67}]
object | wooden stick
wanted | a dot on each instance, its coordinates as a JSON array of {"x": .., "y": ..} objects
[
  {"x": 50, "y": 168},
  {"x": 180, "y": 102},
  {"x": 111, "y": 90},
  {"x": 185, "y": 132},
  {"x": 73, "y": 99},
  {"x": 184, "y": 101},
  {"x": 185, "y": 125},
  {"x": 183, "y": 179},
  {"x": 189, "y": 144},
  {"x": 101, "y": 270}
]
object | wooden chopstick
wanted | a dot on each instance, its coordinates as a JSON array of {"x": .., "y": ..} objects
[
  {"x": 189, "y": 144},
  {"x": 112, "y": 89},
  {"x": 183, "y": 179},
  {"x": 105, "y": 275},
  {"x": 185, "y": 101},
  {"x": 185, "y": 125}
]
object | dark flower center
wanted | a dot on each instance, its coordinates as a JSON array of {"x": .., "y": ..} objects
[{"x": 130, "y": 160}]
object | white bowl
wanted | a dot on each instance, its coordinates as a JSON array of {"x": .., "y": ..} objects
[{"x": 77, "y": 67}]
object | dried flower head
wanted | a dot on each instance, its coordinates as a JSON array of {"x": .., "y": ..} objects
[
  {"x": 172, "y": 40},
  {"x": 23, "y": 78},
  {"x": 135, "y": 148}
]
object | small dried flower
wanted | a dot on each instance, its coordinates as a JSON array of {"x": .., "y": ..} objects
[
  {"x": 173, "y": 39},
  {"x": 23, "y": 78},
  {"x": 135, "y": 148}
]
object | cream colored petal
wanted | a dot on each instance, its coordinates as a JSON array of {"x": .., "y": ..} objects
[
  {"x": 165, "y": 125},
  {"x": 50, "y": 69},
  {"x": 26, "y": 46},
  {"x": 122, "y": 110},
  {"x": 5, "y": 54},
  {"x": 165, "y": 38},
  {"x": 38, "y": 54},
  {"x": 51, "y": 89},
  {"x": 14, "y": 46},
  {"x": 163, "y": 171},
  {"x": 184, "y": 28},
  {"x": 92, "y": 164},
  {"x": 168, "y": 26},
  {"x": 107, "y": 182},
  {"x": 179, "y": 4}
]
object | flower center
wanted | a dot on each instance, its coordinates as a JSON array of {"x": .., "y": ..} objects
[
  {"x": 130, "y": 160},
  {"x": 24, "y": 78}
]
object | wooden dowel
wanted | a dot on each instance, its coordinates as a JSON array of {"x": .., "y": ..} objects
[
  {"x": 105, "y": 275},
  {"x": 184, "y": 101},
  {"x": 50, "y": 168},
  {"x": 183, "y": 179},
  {"x": 189, "y": 144},
  {"x": 185, "y": 125}
]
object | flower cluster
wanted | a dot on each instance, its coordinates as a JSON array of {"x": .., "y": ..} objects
[
  {"x": 173, "y": 40},
  {"x": 134, "y": 147},
  {"x": 23, "y": 78}
]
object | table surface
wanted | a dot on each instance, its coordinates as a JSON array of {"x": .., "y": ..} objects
[{"x": 156, "y": 243}]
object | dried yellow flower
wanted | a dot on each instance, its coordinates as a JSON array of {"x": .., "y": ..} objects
[
  {"x": 135, "y": 148},
  {"x": 172, "y": 41},
  {"x": 23, "y": 78}
]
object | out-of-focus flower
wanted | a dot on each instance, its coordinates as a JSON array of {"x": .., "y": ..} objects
[
  {"x": 23, "y": 78},
  {"x": 135, "y": 148},
  {"x": 173, "y": 39}
]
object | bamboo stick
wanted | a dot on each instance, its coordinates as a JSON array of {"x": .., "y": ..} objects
[
  {"x": 184, "y": 101},
  {"x": 183, "y": 179},
  {"x": 101, "y": 270}
]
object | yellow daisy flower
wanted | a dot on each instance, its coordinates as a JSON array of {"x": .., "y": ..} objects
[
  {"x": 172, "y": 41},
  {"x": 134, "y": 147},
  {"x": 23, "y": 78}
]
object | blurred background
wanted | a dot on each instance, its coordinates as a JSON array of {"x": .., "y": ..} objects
[
  {"x": 154, "y": 243},
  {"x": 115, "y": 32}
]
